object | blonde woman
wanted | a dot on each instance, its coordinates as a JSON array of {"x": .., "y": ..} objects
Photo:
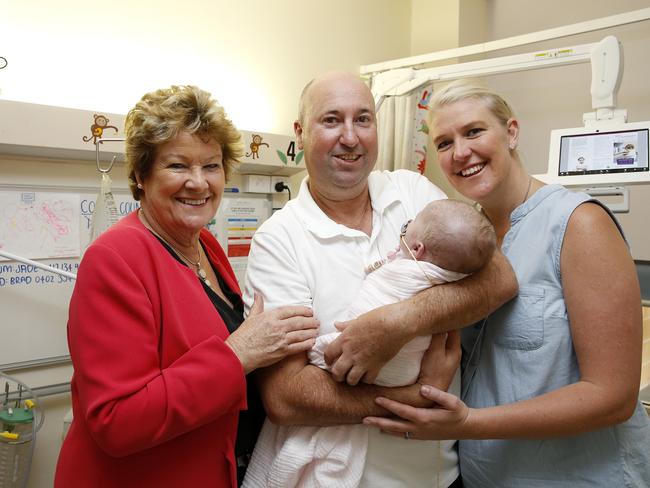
[{"x": 551, "y": 379}]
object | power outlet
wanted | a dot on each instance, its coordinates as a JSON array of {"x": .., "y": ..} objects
[
  {"x": 256, "y": 183},
  {"x": 278, "y": 179}
]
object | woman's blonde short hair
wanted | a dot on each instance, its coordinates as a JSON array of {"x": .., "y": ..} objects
[
  {"x": 161, "y": 115},
  {"x": 463, "y": 89}
]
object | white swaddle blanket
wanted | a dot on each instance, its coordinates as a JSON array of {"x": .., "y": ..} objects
[{"x": 305, "y": 456}]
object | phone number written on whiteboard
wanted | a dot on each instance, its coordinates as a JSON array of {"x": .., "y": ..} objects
[{"x": 27, "y": 275}]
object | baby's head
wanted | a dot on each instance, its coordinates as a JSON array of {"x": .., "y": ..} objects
[{"x": 450, "y": 234}]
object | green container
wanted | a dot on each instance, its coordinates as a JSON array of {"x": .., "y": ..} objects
[{"x": 16, "y": 445}]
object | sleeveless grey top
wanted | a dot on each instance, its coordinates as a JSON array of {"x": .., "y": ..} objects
[{"x": 525, "y": 350}]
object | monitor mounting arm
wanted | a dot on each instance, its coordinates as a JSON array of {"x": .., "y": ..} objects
[
  {"x": 606, "y": 71},
  {"x": 606, "y": 74}
]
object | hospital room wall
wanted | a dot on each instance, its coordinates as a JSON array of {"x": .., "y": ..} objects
[
  {"x": 254, "y": 55},
  {"x": 557, "y": 97},
  {"x": 446, "y": 24},
  {"x": 270, "y": 48}
]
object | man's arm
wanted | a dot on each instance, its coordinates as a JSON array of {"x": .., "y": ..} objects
[
  {"x": 296, "y": 393},
  {"x": 371, "y": 340},
  {"x": 606, "y": 329}
]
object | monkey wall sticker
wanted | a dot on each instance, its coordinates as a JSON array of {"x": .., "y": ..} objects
[
  {"x": 255, "y": 146},
  {"x": 97, "y": 129}
]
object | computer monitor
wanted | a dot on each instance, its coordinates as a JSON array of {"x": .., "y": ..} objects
[{"x": 615, "y": 155}]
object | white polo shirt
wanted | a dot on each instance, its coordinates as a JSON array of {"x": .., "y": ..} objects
[{"x": 302, "y": 257}]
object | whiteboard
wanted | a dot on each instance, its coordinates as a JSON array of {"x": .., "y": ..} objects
[{"x": 34, "y": 302}]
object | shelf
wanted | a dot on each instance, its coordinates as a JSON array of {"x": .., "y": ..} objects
[{"x": 60, "y": 133}]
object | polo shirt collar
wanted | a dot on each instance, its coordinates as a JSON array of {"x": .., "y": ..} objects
[{"x": 382, "y": 195}]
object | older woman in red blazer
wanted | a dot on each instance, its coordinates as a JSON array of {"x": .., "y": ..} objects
[{"x": 156, "y": 331}]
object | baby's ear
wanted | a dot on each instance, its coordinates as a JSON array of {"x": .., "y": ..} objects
[{"x": 418, "y": 250}]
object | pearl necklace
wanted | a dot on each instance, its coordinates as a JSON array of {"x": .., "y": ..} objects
[
  {"x": 200, "y": 272},
  {"x": 198, "y": 269}
]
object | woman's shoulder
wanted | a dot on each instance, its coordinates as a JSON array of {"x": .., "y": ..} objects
[
  {"x": 126, "y": 237},
  {"x": 577, "y": 208},
  {"x": 595, "y": 220},
  {"x": 211, "y": 243},
  {"x": 551, "y": 207},
  {"x": 558, "y": 193}
]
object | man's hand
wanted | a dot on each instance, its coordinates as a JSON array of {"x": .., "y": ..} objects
[
  {"x": 371, "y": 340},
  {"x": 441, "y": 360},
  {"x": 364, "y": 346}
]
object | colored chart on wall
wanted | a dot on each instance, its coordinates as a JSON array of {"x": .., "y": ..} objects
[{"x": 39, "y": 225}]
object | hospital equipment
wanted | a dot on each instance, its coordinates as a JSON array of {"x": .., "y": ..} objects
[
  {"x": 20, "y": 420},
  {"x": 606, "y": 151},
  {"x": 399, "y": 76},
  {"x": 105, "y": 213}
]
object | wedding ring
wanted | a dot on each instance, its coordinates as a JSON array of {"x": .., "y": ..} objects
[{"x": 407, "y": 435}]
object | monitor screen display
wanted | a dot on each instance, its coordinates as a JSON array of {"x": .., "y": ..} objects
[{"x": 604, "y": 153}]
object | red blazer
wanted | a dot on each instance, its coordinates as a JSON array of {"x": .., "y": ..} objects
[{"x": 156, "y": 392}]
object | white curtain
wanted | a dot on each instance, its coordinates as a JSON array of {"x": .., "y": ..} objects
[{"x": 403, "y": 131}]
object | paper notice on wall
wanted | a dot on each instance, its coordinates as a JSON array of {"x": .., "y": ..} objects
[
  {"x": 234, "y": 225},
  {"x": 241, "y": 218},
  {"x": 39, "y": 225},
  {"x": 236, "y": 222},
  {"x": 239, "y": 268}
]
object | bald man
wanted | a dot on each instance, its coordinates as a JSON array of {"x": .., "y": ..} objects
[{"x": 314, "y": 252}]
